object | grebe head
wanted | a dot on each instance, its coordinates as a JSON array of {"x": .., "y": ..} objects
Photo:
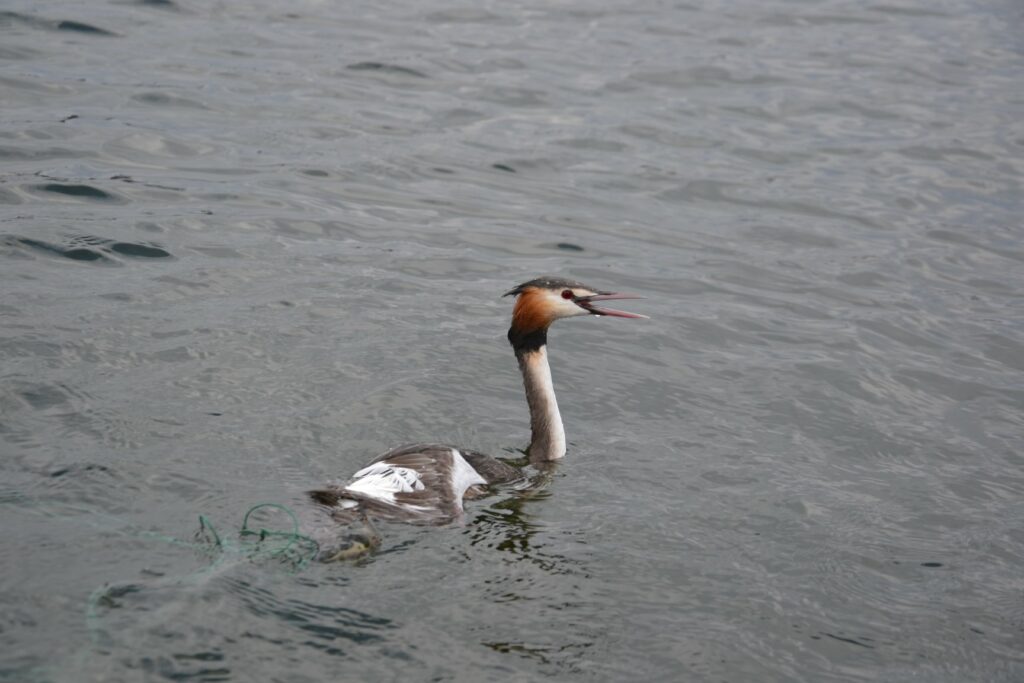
[{"x": 544, "y": 300}]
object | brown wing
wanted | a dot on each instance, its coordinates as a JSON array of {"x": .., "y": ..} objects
[
  {"x": 435, "y": 502},
  {"x": 493, "y": 470},
  {"x": 434, "y": 467},
  {"x": 410, "y": 448},
  {"x": 431, "y": 502}
]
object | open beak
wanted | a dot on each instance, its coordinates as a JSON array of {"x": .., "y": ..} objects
[{"x": 587, "y": 302}]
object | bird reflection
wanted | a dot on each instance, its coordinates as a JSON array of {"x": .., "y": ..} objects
[{"x": 507, "y": 526}]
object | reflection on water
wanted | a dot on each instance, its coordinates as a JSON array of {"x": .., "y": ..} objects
[{"x": 507, "y": 527}]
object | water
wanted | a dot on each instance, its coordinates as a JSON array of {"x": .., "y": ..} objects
[{"x": 245, "y": 247}]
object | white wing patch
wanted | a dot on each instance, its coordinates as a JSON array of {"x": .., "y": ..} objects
[
  {"x": 382, "y": 480},
  {"x": 463, "y": 476}
]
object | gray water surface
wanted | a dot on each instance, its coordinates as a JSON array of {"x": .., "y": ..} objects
[{"x": 244, "y": 247}]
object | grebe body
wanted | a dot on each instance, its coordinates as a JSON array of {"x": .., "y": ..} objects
[{"x": 417, "y": 484}]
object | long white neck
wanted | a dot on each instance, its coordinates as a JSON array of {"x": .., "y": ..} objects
[{"x": 548, "y": 435}]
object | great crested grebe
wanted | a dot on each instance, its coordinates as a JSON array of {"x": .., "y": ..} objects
[{"x": 426, "y": 483}]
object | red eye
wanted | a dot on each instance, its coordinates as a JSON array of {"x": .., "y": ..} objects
[{"x": 567, "y": 294}]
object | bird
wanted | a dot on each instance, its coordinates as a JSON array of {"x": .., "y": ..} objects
[{"x": 426, "y": 483}]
